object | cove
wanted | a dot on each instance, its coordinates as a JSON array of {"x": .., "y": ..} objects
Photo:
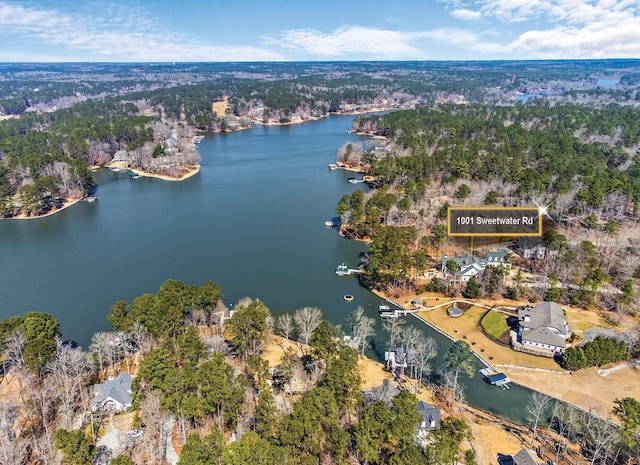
[{"x": 252, "y": 221}]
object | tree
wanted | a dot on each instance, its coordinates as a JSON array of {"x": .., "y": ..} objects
[
  {"x": 202, "y": 451},
  {"x": 248, "y": 327},
  {"x": 536, "y": 408},
  {"x": 463, "y": 192},
  {"x": 307, "y": 320},
  {"x": 444, "y": 445},
  {"x": 284, "y": 325},
  {"x": 473, "y": 289},
  {"x": 459, "y": 359},
  {"x": 362, "y": 327},
  {"x": 627, "y": 410},
  {"x": 76, "y": 446},
  {"x": 41, "y": 331}
]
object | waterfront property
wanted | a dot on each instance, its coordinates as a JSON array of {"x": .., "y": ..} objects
[
  {"x": 114, "y": 395},
  {"x": 542, "y": 329},
  {"x": 468, "y": 265}
]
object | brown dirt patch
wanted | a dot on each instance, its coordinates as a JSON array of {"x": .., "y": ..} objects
[{"x": 220, "y": 108}]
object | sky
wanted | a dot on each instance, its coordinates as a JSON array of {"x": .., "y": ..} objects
[{"x": 318, "y": 30}]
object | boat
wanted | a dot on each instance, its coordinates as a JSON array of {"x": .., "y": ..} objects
[
  {"x": 333, "y": 166},
  {"x": 115, "y": 169},
  {"x": 348, "y": 297},
  {"x": 136, "y": 176},
  {"x": 329, "y": 224},
  {"x": 91, "y": 198}
]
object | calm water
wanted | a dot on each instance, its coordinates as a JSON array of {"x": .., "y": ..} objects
[{"x": 252, "y": 221}]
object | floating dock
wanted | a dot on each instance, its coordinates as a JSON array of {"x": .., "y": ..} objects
[
  {"x": 495, "y": 378},
  {"x": 385, "y": 311},
  {"x": 344, "y": 270}
]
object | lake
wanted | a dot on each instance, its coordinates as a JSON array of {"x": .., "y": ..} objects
[{"x": 252, "y": 221}]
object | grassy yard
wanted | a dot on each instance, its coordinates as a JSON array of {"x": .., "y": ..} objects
[{"x": 495, "y": 323}]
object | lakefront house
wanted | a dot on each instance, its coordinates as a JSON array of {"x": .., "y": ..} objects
[{"x": 542, "y": 329}]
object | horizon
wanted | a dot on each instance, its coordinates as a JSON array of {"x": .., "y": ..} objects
[{"x": 146, "y": 31}]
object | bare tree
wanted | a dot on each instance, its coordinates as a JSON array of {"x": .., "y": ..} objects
[
  {"x": 99, "y": 349},
  {"x": 284, "y": 326},
  {"x": 140, "y": 336},
  {"x": 362, "y": 327},
  {"x": 13, "y": 449},
  {"x": 538, "y": 404},
  {"x": 425, "y": 351},
  {"x": 69, "y": 371},
  {"x": 602, "y": 435},
  {"x": 307, "y": 319},
  {"x": 394, "y": 328},
  {"x": 12, "y": 353},
  {"x": 157, "y": 433},
  {"x": 218, "y": 316}
]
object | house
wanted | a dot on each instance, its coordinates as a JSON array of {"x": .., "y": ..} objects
[
  {"x": 385, "y": 392},
  {"x": 542, "y": 329},
  {"x": 430, "y": 421},
  {"x": 522, "y": 457},
  {"x": 469, "y": 265},
  {"x": 430, "y": 417},
  {"x": 113, "y": 395}
]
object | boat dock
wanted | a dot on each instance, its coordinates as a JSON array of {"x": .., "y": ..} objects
[
  {"x": 385, "y": 311},
  {"x": 344, "y": 270},
  {"x": 495, "y": 378}
]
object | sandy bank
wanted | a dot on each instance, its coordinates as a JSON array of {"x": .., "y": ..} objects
[
  {"x": 187, "y": 172},
  {"x": 23, "y": 216}
]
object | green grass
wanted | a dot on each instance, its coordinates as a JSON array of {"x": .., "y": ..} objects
[{"x": 495, "y": 323}]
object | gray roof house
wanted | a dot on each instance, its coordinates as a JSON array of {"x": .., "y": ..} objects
[
  {"x": 543, "y": 328},
  {"x": 385, "y": 392},
  {"x": 430, "y": 420},
  {"x": 113, "y": 395}
]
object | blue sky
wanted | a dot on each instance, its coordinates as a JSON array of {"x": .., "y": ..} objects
[{"x": 251, "y": 30}]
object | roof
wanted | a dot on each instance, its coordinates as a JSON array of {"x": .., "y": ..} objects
[
  {"x": 496, "y": 257},
  {"x": 429, "y": 413},
  {"x": 544, "y": 314},
  {"x": 118, "y": 389},
  {"x": 496, "y": 378},
  {"x": 544, "y": 336},
  {"x": 385, "y": 392},
  {"x": 525, "y": 457}
]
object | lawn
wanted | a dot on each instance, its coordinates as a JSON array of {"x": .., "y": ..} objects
[{"x": 495, "y": 323}]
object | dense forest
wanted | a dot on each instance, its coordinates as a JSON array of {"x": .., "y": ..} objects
[
  {"x": 200, "y": 367},
  {"x": 202, "y": 384},
  {"x": 57, "y": 120},
  {"x": 581, "y": 162}
]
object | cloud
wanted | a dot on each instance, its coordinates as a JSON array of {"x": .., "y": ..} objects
[
  {"x": 466, "y": 15},
  {"x": 562, "y": 28},
  {"x": 348, "y": 41},
  {"x": 119, "y": 34}
]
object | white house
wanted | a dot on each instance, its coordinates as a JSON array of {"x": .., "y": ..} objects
[{"x": 543, "y": 328}]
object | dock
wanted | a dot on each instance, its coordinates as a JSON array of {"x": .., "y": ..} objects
[
  {"x": 495, "y": 378},
  {"x": 385, "y": 311},
  {"x": 344, "y": 270}
]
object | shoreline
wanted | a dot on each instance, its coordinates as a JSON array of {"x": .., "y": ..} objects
[
  {"x": 65, "y": 205},
  {"x": 192, "y": 170},
  {"x": 540, "y": 374}
]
